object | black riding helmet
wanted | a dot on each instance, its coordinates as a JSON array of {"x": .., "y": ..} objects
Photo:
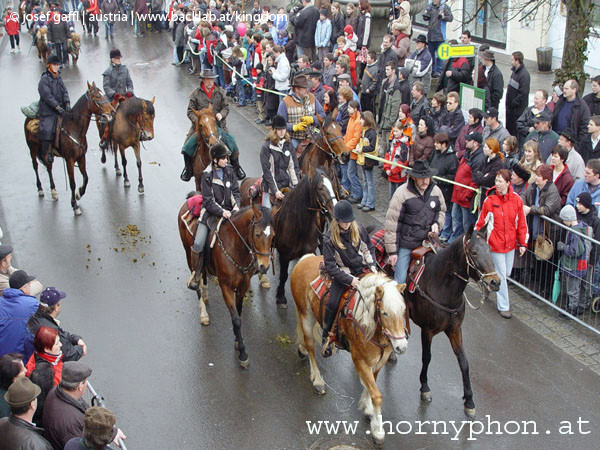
[
  {"x": 343, "y": 211},
  {"x": 53, "y": 59},
  {"x": 279, "y": 122},
  {"x": 218, "y": 151}
]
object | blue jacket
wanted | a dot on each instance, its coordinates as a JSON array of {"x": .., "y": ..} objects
[
  {"x": 323, "y": 33},
  {"x": 579, "y": 187},
  {"x": 15, "y": 310}
]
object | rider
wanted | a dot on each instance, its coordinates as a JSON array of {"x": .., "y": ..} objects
[
  {"x": 202, "y": 97},
  {"x": 279, "y": 162},
  {"x": 54, "y": 101},
  {"x": 220, "y": 198},
  {"x": 347, "y": 253},
  {"x": 299, "y": 109},
  {"x": 117, "y": 85}
]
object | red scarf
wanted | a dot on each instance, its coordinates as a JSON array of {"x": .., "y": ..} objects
[
  {"x": 55, "y": 361},
  {"x": 209, "y": 93}
]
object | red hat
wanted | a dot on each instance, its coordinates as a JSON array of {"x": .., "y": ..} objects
[{"x": 348, "y": 29}]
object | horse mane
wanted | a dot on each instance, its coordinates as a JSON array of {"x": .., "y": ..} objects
[
  {"x": 327, "y": 121},
  {"x": 266, "y": 218},
  {"x": 446, "y": 259},
  {"x": 297, "y": 202},
  {"x": 364, "y": 311},
  {"x": 77, "y": 110},
  {"x": 133, "y": 106}
]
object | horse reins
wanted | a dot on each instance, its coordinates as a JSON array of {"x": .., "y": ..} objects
[{"x": 329, "y": 152}]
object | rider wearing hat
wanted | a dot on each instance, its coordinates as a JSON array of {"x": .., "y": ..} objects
[
  {"x": 220, "y": 198},
  {"x": 54, "y": 101},
  {"x": 117, "y": 85},
  {"x": 347, "y": 253},
  {"x": 416, "y": 208},
  {"x": 299, "y": 109},
  {"x": 279, "y": 162},
  {"x": 205, "y": 95}
]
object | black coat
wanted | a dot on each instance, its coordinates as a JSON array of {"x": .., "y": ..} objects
[
  {"x": 53, "y": 93},
  {"x": 494, "y": 88},
  {"x": 305, "y": 25},
  {"x": 446, "y": 163},
  {"x": 71, "y": 351},
  {"x": 351, "y": 257},
  {"x": 586, "y": 150},
  {"x": 486, "y": 175},
  {"x": 18, "y": 433},
  {"x": 360, "y": 31},
  {"x": 405, "y": 92},
  {"x": 337, "y": 27},
  {"x": 524, "y": 122},
  {"x": 218, "y": 195},
  {"x": 580, "y": 117},
  {"x": 279, "y": 167},
  {"x": 461, "y": 74},
  {"x": 388, "y": 55},
  {"x": 517, "y": 92},
  {"x": 453, "y": 122},
  {"x": 58, "y": 33},
  {"x": 63, "y": 417},
  {"x": 593, "y": 103}
]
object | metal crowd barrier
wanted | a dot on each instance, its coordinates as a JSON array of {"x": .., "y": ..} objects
[
  {"x": 548, "y": 281},
  {"x": 95, "y": 399}
]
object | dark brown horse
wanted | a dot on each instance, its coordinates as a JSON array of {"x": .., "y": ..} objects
[
  {"x": 242, "y": 247},
  {"x": 438, "y": 304},
  {"x": 133, "y": 123},
  {"x": 72, "y": 141},
  {"x": 299, "y": 222},
  {"x": 208, "y": 135}
]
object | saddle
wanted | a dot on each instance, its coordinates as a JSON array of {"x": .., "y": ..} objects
[{"x": 417, "y": 260}]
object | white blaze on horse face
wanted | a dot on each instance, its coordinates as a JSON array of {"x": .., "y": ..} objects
[
  {"x": 267, "y": 231},
  {"x": 329, "y": 187}
]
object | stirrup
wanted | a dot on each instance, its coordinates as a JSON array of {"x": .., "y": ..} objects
[
  {"x": 239, "y": 172},
  {"x": 192, "y": 284}
]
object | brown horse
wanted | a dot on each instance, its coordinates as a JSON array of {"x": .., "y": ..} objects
[
  {"x": 208, "y": 135},
  {"x": 72, "y": 141},
  {"x": 376, "y": 330},
  {"x": 242, "y": 247},
  {"x": 74, "y": 46},
  {"x": 42, "y": 44},
  {"x": 438, "y": 303},
  {"x": 133, "y": 122}
]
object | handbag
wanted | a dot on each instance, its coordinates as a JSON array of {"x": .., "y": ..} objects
[{"x": 543, "y": 246}]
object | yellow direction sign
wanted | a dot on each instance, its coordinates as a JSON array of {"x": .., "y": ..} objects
[{"x": 447, "y": 51}]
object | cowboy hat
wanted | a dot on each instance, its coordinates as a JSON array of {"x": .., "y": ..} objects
[
  {"x": 207, "y": 74},
  {"x": 421, "y": 169}
]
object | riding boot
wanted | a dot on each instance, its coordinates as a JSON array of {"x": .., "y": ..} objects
[
  {"x": 188, "y": 171},
  {"x": 328, "y": 319},
  {"x": 198, "y": 259},
  {"x": 47, "y": 155},
  {"x": 104, "y": 141},
  {"x": 235, "y": 163}
]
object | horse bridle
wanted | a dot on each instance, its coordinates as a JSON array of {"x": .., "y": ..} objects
[
  {"x": 329, "y": 152},
  {"x": 471, "y": 265},
  {"x": 97, "y": 103}
]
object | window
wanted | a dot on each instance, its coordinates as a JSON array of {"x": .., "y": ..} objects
[{"x": 487, "y": 20}]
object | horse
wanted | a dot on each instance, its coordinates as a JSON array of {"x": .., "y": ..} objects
[
  {"x": 438, "y": 303},
  {"x": 243, "y": 246},
  {"x": 72, "y": 141},
  {"x": 325, "y": 147},
  {"x": 74, "y": 46},
  {"x": 208, "y": 135},
  {"x": 42, "y": 44},
  {"x": 376, "y": 329},
  {"x": 133, "y": 122},
  {"x": 299, "y": 221}
]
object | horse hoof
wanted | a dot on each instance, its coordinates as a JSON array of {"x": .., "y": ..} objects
[
  {"x": 319, "y": 389},
  {"x": 40, "y": 193},
  {"x": 118, "y": 172},
  {"x": 301, "y": 355},
  {"x": 141, "y": 189},
  {"x": 205, "y": 321},
  {"x": 393, "y": 359},
  {"x": 54, "y": 194},
  {"x": 103, "y": 158},
  {"x": 426, "y": 397},
  {"x": 282, "y": 302},
  {"x": 77, "y": 211},
  {"x": 282, "y": 305},
  {"x": 368, "y": 418},
  {"x": 245, "y": 364},
  {"x": 378, "y": 442},
  {"x": 470, "y": 412},
  {"x": 265, "y": 283},
  {"x": 126, "y": 183}
]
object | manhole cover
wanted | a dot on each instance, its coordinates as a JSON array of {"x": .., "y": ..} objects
[{"x": 341, "y": 443}]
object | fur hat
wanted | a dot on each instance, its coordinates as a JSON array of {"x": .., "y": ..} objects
[
  {"x": 99, "y": 426},
  {"x": 521, "y": 172}
]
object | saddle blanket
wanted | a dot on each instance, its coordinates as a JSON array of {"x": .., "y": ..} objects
[
  {"x": 321, "y": 287},
  {"x": 194, "y": 204}
]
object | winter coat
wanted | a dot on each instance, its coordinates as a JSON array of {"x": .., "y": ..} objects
[
  {"x": 369, "y": 80},
  {"x": 116, "y": 80},
  {"x": 399, "y": 152},
  {"x": 578, "y": 187},
  {"x": 15, "y": 310},
  {"x": 343, "y": 117},
  {"x": 592, "y": 220},
  {"x": 353, "y": 133},
  {"x": 575, "y": 163},
  {"x": 419, "y": 109},
  {"x": 384, "y": 58},
  {"x": 279, "y": 167},
  {"x": 11, "y": 24},
  {"x": 323, "y": 33},
  {"x": 71, "y": 350},
  {"x": 58, "y": 32},
  {"x": 517, "y": 91},
  {"x": 454, "y": 122},
  {"x": 410, "y": 216},
  {"x": 434, "y": 21},
  {"x": 500, "y": 133},
  {"x": 471, "y": 162},
  {"x": 63, "y": 417},
  {"x": 319, "y": 93},
  {"x": 580, "y": 117},
  {"x": 281, "y": 75},
  {"x": 593, "y": 103},
  {"x": 199, "y": 100},
  {"x": 337, "y": 27},
  {"x": 328, "y": 75},
  {"x": 218, "y": 195},
  {"x": 18, "y": 433},
  {"x": 574, "y": 260},
  {"x": 446, "y": 164},
  {"x": 494, "y": 88},
  {"x": 141, "y": 7},
  {"x": 389, "y": 104},
  {"x": 53, "y": 93},
  {"x": 403, "y": 20},
  {"x": 525, "y": 122},
  {"x": 363, "y": 31},
  {"x": 371, "y": 149},
  {"x": 180, "y": 34},
  {"x": 485, "y": 176},
  {"x": 588, "y": 150},
  {"x": 422, "y": 149},
  {"x": 438, "y": 117},
  {"x": 401, "y": 48},
  {"x": 505, "y": 220},
  {"x": 546, "y": 140},
  {"x": 406, "y": 94},
  {"x": 343, "y": 265},
  {"x": 421, "y": 69},
  {"x": 461, "y": 73},
  {"x": 564, "y": 182},
  {"x": 460, "y": 144},
  {"x": 549, "y": 203},
  {"x": 111, "y": 7},
  {"x": 305, "y": 25}
]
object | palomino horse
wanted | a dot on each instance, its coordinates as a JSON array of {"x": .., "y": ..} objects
[
  {"x": 243, "y": 247},
  {"x": 325, "y": 147},
  {"x": 298, "y": 221},
  {"x": 42, "y": 44},
  {"x": 376, "y": 329},
  {"x": 438, "y": 304},
  {"x": 74, "y": 46},
  {"x": 133, "y": 123},
  {"x": 72, "y": 141},
  {"x": 208, "y": 135}
]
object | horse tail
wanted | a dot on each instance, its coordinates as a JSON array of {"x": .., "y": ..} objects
[
  {"x": 306, "y": 256},
  {"x": 191, "y": 194}
]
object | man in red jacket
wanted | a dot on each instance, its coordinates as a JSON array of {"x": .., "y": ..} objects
[{"x": 11, "y": 23}]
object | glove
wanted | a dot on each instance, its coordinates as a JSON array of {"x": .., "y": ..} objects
[
  {"x": 307, "y": 120},
  {"x": 116, "y": 97},
  {"x": 68, "y": 107},
  {"x": 60, "y": 109},
  {"x": 560, "y": 246},
  {"x": 129, "y": 95},
  {"x": 299, "y": 126}
]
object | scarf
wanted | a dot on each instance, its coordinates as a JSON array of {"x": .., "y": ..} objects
[{"x": 209, "y": 93}]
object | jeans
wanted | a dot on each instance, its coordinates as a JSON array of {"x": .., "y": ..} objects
[
  {"x": 266, "y": 200},
  {"x": 75, "y": 4},
  {"x": 356, "y": 188},
  {"x": 14, "y": 38},
  {"x": 61, "y": 52},
  {"x": 221, "y": 75},
  {"x": 393, "y": 187},
  {"x": 401, "y": 269},
  {"x": 462, "y": 219},
  {"x": 447, "y": 230},
  {"x": 109, "y": 28},
  {"x": 200, "y": 238},
  {"x": 436, "y": 62},
  {"x": 503, "y": 263},
  {"x": 241, "y": 92},
  {"x": 345, "y": 181},
  {"x": 368, "y": 198},
  {"x": 295, "y": 143}
]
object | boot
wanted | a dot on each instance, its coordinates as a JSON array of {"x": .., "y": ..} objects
[
  {"x": 47, "y": 155},
  {"x": 196, "y": 274},
  {"x": 188, "y": 171},
  {"x": 235, "y": 163},
  {"x": 104, "y": 141},
  {"x": 328, "y": 320}
]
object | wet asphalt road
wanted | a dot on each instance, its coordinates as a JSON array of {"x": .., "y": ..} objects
[{"x": 175, "y": 384}]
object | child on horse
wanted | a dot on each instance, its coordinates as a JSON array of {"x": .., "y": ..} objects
[
  {"x": 347, "y": 254},
  {"x": 220, "y": 198}
]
